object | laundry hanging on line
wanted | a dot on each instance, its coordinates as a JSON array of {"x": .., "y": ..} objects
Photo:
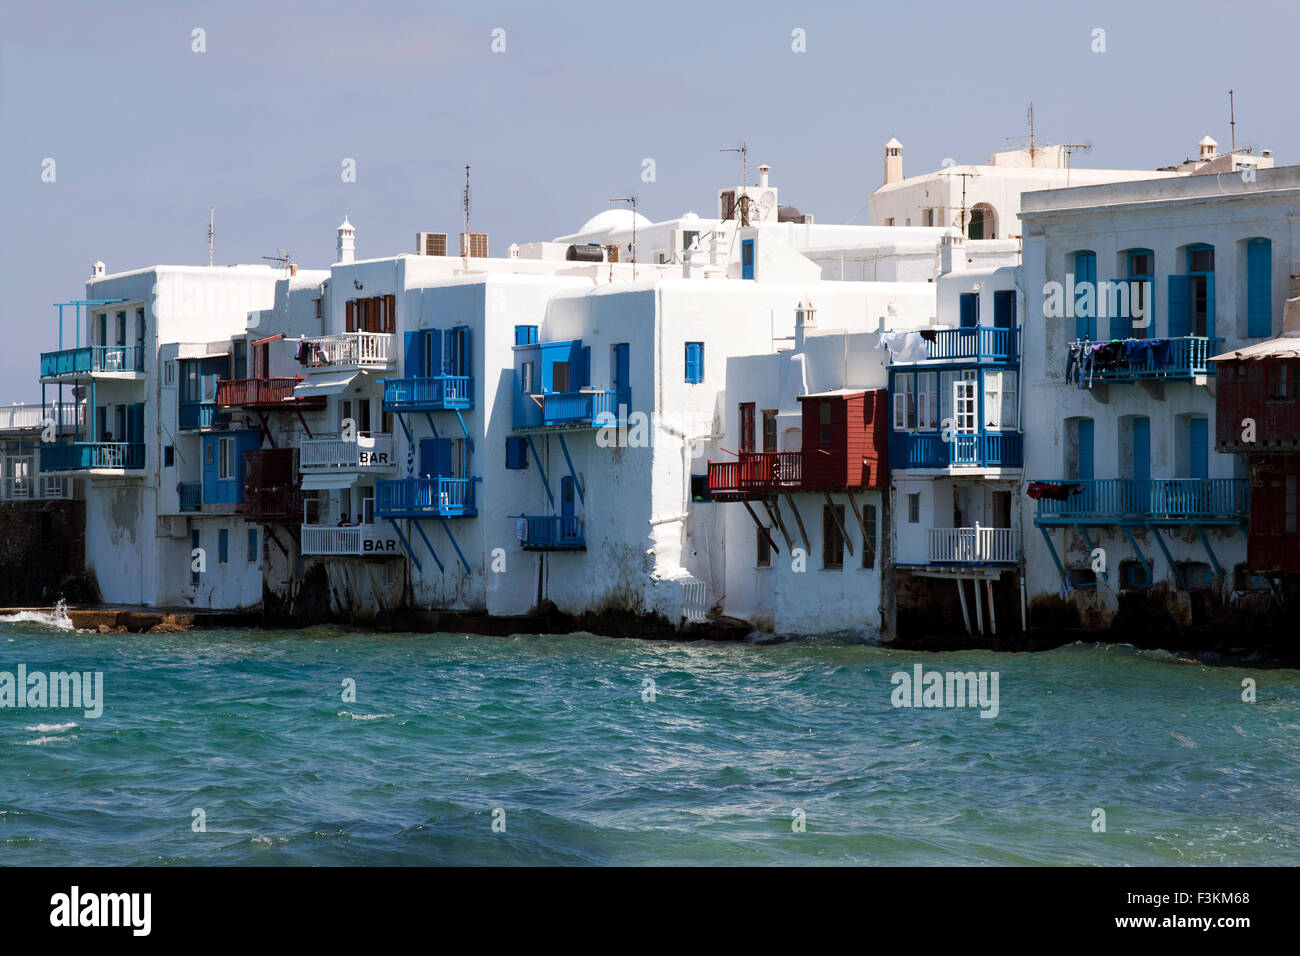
[{"x": 1052, "y": 490}]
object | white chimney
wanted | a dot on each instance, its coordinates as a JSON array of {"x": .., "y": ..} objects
[
  {"x": 893, "y": 161},
  {"x": 952, "y": 254},
  {"x": 97, "y": 270},
  {"x": 762, "y": 175},
  {"x": 1209, "y": 148},
  {"x": 347, "y": 242}
]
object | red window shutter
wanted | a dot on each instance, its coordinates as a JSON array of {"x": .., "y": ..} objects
[
  {"x": 374, "y": 315},
  {"x": 352, "y": 318},
  {"x": 390, "y": 313}
]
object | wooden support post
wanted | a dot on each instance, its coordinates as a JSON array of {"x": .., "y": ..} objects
[
  {"x": 993, "y": 615},
  {"x": 862, "y": 523},
  {"x": 835, "y": 516},
  {"x": 761, "y": 527},
  {"x": 961, "y": 596},
  {"x": 773, "y": 507},
  {"x": 798, "y": 518},
  {"x": 979, "y": 606}
]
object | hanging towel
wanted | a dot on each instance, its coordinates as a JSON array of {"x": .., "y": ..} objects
[
  {"x": 1162, "y": 353},
  {"x": 904, "y": 346}
]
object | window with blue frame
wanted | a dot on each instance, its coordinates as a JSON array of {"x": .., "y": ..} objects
[
  {"x": 1134, "y": 574},
  {"x": 747, "y": 259},
  {"x": 694, "y": 363},
  {"x": 1259, "y": 288},
  {"x": 516, "y": 452},
  {"x": 1085, "y": 295},
  {"x": 969, "y": 316},
  {"x": 1004, "y": 309},
  {"x": 525, "y": 335},
  {"x": 1141, "y": 274},
  {"x": 195, "y": 545},
  {"x": 1191, "y": 296}
]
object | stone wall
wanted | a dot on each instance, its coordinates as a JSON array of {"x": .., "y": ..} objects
[{"x": 43, "y": 553}]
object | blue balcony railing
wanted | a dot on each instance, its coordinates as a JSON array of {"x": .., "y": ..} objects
[
  {"x": 1132, "y": 501},
  {"x": 976, "y": 344},
  {"x": 552, "y": 533},
  {"x": 429, "y": 393},
  {"x": 201, "y": 415},
  {"x": 191, "y": 494},
  {"x": 425, "y": 497},
  {"x": 82, "y": 456},
  {"x": 586, "y": 409},
  {"x": 1135, "y": 360},
  {"x": 92, "y": 358},
  {"x": 1000, "y": 449}
]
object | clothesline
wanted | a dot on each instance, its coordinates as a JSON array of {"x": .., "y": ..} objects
[{"x": 1086, "y": 358}]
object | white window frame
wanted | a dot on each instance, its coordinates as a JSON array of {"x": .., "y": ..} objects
[
  {"x": 904, "y": 406},
  {"x": 1000, "y": 408},
  {"x": 927, "y": 401},
  {"x": 225, "y": 459}
]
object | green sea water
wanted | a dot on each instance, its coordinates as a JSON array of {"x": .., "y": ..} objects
[{"x": 734, "y": 754}]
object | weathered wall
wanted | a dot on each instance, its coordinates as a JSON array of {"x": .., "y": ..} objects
[{"x": 42, "y": 553}]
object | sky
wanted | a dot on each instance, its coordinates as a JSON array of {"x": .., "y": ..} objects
[{"x": 146, "y": 133}]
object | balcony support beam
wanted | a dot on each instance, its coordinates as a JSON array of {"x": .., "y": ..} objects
[
  {"x": 545, "y": 483},
  {"x": 434, "y": 428},
  {"x": 415, "y": 522},
  {"x": 463, "y": 427},
  {"x": 410, "y": 552},
  {"x": 303, "y": 422},
  {"x": 862, "y": 523},
  {"x": 1160, "y": 539},
  {"x": 979, "y": 606},
  {"x": 762, "y": 528},
  {"x": 452, "y": 538},
  {"x": 961, "y": 596},
  {"x": 798, "y": 519},
  {"x": 835, "y": 516},
  {"x": 572, "y": 473},
  {"x": 1214, "y": 561},
  {"x": 1146, "y": 565},
  {"x": 1056, "y": 559},
  {"x": 773, "y": 507},
  {"x": 993, "y": 616},
  {"x": 1087, "y": 540}
]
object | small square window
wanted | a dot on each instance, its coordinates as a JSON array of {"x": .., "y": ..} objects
[{"x": 516, "y": 452}]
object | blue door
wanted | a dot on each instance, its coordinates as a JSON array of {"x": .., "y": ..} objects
[
  {"x": 1179, "y": 306},
  {"x": 435, "y": 457},
  {"x": 1199, "y": 448},
  {"x": 1141, "y": 449},
  {"x": 413, "y": 357},
  {"x": 747, "y": 259},
  {"x": 1004, "y": 309},
  {"x": 1085, "y": 295},
  {"x": 1083, "y": 464},
  {"x": 1259, "y": 288},
  {"x": 568, "y": 521},
  {"x": 970, "y": 310},
  {"x": 621, "y": 367}
]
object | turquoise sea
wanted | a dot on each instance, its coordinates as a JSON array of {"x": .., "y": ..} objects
[{"x": 563, "y": 744}]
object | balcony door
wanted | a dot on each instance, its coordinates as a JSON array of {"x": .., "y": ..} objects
[
  {"x": 1198, "y": 448},
  {"x": 435, "y": 457}
]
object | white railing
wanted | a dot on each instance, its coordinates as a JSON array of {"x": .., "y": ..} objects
[
  {"x": 974, "y": 545},
  {"x": 35, "y": 416},
  {"x": 368, "y": 452},
  {"x": 695, "y": 603},
  {"x": 351, "y": 348},
  {"x": 322, "y": 539},
  {"x": 24, "y": 486}
]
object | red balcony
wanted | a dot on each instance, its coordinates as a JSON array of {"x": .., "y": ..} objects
[
  {"x": 263, "y": 393},
  {"x": 755, "y": 474}
]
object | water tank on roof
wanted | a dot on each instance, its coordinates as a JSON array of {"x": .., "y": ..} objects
[
  {"x": 788, "y": 214},
  {"x": 585, "y": 253}
]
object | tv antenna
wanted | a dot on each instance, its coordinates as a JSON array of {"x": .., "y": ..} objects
[
  {"x": 1070, "y": 149},
  {"x": 964, "y": 177},
  {"x": 743, "y": 150},
  {"x": 212, "y": 212},
  {"x": 632, "y": 201},
  {"x": 466, "y": 241},
  {"x": 1232, "y": 117},
  {"x": 1033, "y": 141},
  {"x": 280, "y": 257}
]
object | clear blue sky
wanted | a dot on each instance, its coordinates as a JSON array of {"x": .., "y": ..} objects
[{"x": 147, "y": 134}]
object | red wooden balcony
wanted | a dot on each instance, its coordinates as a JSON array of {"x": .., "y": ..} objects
[
  {"x": 263, "y": 393},
  {"x": 755, "y": 474}
]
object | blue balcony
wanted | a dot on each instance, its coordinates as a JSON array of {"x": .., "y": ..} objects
[
  {"x": 552, "y": 533},
  {"x": 191, "y": 495},
  {"x": 988, "y": 449},
  {"x": 425, "y": 498},
  {"x": 434, "y": 393},
  {"x": 84, "y": 456},
  {"x": 1137, "y": 360},
  {"x": 590, "y": 408},
  {"x": 1156, "y": 501},
  {"x": 982, "y": 344},
  {"x": 195, "y": 415},
  {"x": 92, "y": 360}
]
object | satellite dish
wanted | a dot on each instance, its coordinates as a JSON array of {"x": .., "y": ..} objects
[{"x": 767, "y": 200}]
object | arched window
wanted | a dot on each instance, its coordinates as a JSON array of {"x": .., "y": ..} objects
[{"x": 983, "y": 222}]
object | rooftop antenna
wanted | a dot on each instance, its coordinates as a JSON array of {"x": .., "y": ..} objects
[
  {"x": 281, "y": 257},
  {"x": 1033, "y": 141},
  {"x": 466, "y": 241},
  {"x": 632, "y": 200},
  {"x": 743, "y": 150},
  {"x": 1232, "y": 117},
  {"x": 1069, "y": 151},
  {"x": 964, "y": 177},
  {"x": 211, "y": 234}
]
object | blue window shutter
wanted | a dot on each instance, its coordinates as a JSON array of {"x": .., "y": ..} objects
[
  {"x": 1179, "y": 307},
  {"x": 694, "y": 362},
  {"x": 252, "y": 544},
  {"x": 516, "y": 452},
  {"x": 1004, "y": 309},
  {"x": 970, "y": 310},
  {"x": 412, "y": 355},
  {"x": 1085, "y": 277},
  {"x": 1141, "y": 449},
  {"x": 1209, "y": 305},
  {"x": 747, "y": 258},
  {"x": 223, "y": 545},
  {"x": 1199, "y": 448},
  {"x": 584, "y": 370},
  {"x": 1085, "y": 449},
  {"x": 1259, "y": 288}
]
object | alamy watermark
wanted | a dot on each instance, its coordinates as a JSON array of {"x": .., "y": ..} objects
[
  {"x": 1107, "y": 299},
  {"x": 923, "y": 688},
  {"x": 82, "y": 690}
]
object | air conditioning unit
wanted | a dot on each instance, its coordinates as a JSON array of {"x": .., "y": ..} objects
[
  {"x": 474, "y": 245},
  {"x": 431, "y": 243}
]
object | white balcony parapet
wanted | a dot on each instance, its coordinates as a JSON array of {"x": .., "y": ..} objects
[
  {"x": 365, "y": 349},
  {"x": 363, "y": 453},
  {"x": 974, "y": 545},
  {"x": 365, "y": 540},
  {"x": 13, "y": 417}
]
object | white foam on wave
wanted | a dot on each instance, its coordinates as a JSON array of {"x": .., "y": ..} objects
[
  {"x": 42, "y": 741},
  {"x": 348, "y": 713},
  {"x": 57, "y": 618},
  {"x": 50, "y": 728}
]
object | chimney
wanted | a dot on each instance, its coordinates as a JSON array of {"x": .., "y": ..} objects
[
  {"x": 952, "y": 254},
  {"x": 893, "y": 161},
  {"x": 1208, "y": 148},
  {"x": 97, "y": 270},
  {"x": 762, "y": 175},
  {"x": 347, "y": 242}
]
